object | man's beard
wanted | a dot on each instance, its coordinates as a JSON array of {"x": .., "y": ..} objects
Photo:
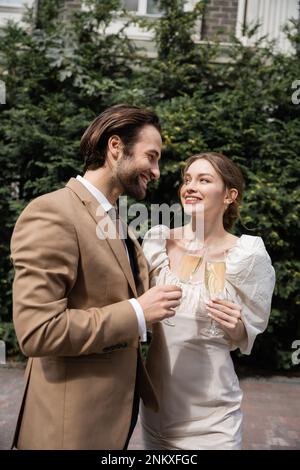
[{"x": 130, "y": 180}]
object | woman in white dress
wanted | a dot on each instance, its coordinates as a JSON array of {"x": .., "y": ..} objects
[{"x": 194, "y": 377}]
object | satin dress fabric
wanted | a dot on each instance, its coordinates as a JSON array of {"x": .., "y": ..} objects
[{"x": 198, "y": 389}]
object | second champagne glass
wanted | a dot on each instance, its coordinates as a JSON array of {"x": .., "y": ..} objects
[{"x": 215, "y": 270}]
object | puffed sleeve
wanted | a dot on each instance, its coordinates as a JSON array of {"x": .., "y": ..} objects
[
  {"x": 154, "y": 248},
  {"x": 251, "y": 274}
]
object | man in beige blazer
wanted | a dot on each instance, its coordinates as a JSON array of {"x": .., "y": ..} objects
[{"x": 81, "y": 302}]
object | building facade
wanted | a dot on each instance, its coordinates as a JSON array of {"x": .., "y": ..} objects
[
  {"x": 13, "y": 9},
  {"x": 222, "y": 17}
]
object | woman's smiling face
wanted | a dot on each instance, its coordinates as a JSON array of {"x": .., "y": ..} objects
[{"x": 202, "y": 186}]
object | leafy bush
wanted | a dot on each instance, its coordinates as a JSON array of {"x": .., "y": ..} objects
[{"x": 59, "y": 76}]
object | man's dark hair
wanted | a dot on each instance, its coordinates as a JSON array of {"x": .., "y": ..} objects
[{"x": 122, "y": 120}]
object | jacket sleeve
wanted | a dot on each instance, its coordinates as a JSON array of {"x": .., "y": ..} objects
[{"x": 45, "y": 254}]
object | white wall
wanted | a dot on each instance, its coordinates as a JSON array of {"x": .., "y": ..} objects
[
  {"x": 13, "y": 9},
  {"x": 272, "y": 14}
]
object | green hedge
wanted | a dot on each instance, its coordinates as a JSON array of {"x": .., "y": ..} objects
[{"x": 235, "y": 100}]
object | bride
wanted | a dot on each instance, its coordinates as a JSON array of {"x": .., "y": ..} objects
[{"x": 193, "y": 374}]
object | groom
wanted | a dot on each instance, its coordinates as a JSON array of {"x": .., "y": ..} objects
[{"x": 80, "y": 298}]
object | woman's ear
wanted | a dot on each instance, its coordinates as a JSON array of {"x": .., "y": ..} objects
[{"x": 231, "y": 195}]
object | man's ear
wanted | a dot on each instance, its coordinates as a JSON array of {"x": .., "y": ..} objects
[{"x": 114, "y": 146}]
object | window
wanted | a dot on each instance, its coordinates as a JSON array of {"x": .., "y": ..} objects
[
  {"x": 142, "y": 7},
  {"x": 131, "y": 5},
  {"x": 152, "y": 7},
  {"x": 271, "y": 14}
]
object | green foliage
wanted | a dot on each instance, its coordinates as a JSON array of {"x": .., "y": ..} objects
[
  {"x": 58, "y": 78},
  {"x": 232, "y": 99}
]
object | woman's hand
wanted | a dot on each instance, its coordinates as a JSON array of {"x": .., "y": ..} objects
[{"x": 228, "y": 315}]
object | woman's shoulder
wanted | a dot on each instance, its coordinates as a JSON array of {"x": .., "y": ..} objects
[
  {"x": 158, "y": 232},
  {"x": 248, "y": 257},
  {"x": 251, "y": 245},
  {"x": 154, "y": 246}
]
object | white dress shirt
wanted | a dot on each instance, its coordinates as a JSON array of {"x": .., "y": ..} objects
[{"x": 107, "y": 206}]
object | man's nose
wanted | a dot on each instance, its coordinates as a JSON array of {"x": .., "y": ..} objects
[{"x": 155, "y": 172}]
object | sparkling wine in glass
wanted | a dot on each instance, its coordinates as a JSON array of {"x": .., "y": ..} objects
[
  {"x": 215, "y": 270},
  {"x": 189, "y": 265}
]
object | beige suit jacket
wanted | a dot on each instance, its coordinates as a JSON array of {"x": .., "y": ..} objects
[{"x": 74, "y": 321}]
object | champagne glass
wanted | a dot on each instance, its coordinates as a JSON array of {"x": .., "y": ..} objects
[
  {"x": 190, "y": 263},
  {"x": 215, "y": 270}
]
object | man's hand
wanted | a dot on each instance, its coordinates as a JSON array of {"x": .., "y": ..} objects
[{"x": 159, "y": 302}]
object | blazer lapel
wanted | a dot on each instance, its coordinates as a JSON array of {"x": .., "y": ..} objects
[
  {"x": 102, "y": 219},
  {"x": 141, "y": 261}
]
